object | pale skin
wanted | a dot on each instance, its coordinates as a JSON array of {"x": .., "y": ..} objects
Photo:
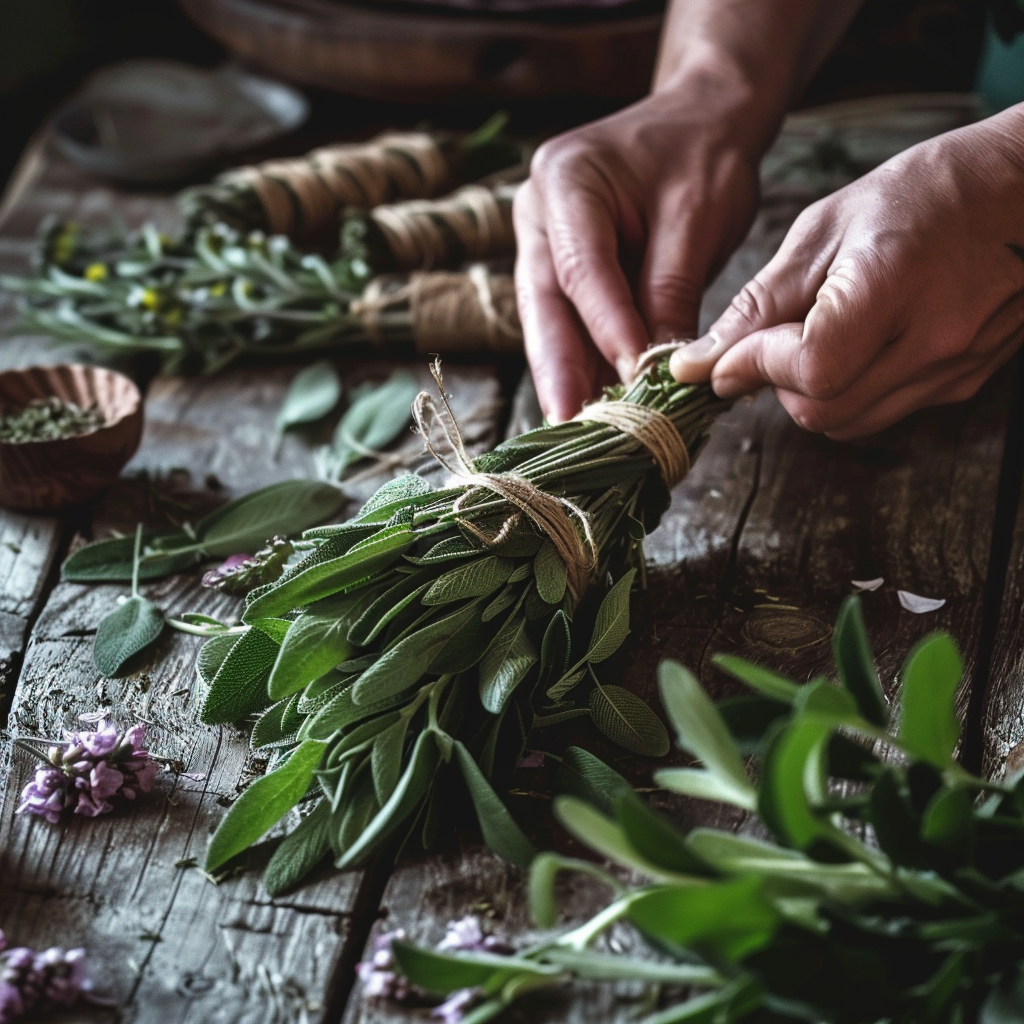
[{"x": 900, "y": 291}]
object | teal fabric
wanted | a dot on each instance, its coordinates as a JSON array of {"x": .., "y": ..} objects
[{"x": 1001, "y": 71}]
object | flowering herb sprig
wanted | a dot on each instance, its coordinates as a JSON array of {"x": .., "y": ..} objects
[
  {"x": 434, "y": 630},
  {"x": 85, "y": 772},
  {"x": 36, "y": 982},
  {"x": 890, "y": 889}
]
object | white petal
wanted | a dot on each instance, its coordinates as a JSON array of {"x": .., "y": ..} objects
[
  {"x": 863, "y": 585},
  {"x": 917, "y": 604}
]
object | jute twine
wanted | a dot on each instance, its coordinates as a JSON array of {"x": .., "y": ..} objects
[
  {"x": 552, "y": 516},
  {"x": 366, "y": 174},
  {"x": 653, "y": 429},
  {"x": 479, "y": 218},
  {"x": 451, "y": 312}
]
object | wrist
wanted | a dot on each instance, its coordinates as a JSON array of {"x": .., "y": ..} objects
[{"x": 722, "y": 88}]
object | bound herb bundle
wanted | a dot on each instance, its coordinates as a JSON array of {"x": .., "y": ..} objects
[
  {"x": 304, "y": 197},
  {"x": 201, "y": 300},
  {"x": 924, "y": 925},
  {"x": 434, "y": 630}
]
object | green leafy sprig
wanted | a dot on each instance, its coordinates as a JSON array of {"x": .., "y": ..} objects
[
  {"x": 430, "y": 634},
  {"x": 890, "y": 889}
]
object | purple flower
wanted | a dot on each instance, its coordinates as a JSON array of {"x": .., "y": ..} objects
[
  {"x": 534, "y": 759},
  {"x": 454, "y": 1008},
  {"x": 379, "y": 976},
  {"x": 468, "y": 935},
  {"x": 229, "y": 567},
  {"x": 87, "y": 770},
  {"x": 40, "y": 981}
]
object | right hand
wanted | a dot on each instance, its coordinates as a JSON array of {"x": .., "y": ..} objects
[{"x": 620, "y": 227}]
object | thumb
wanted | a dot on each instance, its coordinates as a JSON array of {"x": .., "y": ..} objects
[
  {"x": 848, "y": 325},
  {"x": 782, "y": 292}
]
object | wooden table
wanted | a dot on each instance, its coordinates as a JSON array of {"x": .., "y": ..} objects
[{"x": 755, "y": 555}]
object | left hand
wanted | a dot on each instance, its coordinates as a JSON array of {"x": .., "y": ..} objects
[{"x": 903, "y": 290}]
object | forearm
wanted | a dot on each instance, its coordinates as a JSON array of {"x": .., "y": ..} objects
[{"x": 757, "y": 55}]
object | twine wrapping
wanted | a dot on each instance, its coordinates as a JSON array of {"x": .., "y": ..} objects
[
  {"x": 653, "y": 429},
  {"x": 479, "y": 218},
  {"x": 552, "y": 516},
  {"x": 473, "y": 311},
  {"x": 305, "y": 194}
]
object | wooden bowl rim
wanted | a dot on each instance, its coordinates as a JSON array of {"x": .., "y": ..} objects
[{"x": 92, "y": 371}]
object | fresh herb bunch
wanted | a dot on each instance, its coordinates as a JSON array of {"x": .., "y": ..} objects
[
  {"x": 432, "y": 632},
  {"x": 926, "y": 924},
  {"x": 202, "y": 300},
  {"x": 350, "y": 175}
]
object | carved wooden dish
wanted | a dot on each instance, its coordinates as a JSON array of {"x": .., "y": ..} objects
[{"x": 49, "y": 474}]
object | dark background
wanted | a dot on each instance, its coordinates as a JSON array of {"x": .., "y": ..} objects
[{"x": 48, "y": 46}]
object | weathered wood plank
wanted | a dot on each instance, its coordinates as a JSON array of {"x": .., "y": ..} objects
[{"x": 169, "y": 946}]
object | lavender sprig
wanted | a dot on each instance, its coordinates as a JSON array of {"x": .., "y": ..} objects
[
  {"x": 85, "y": 771},
  {"x": 41, "y": 981}
]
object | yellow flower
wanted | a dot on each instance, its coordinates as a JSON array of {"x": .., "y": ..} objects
[
  {"x": 218, "y": 289},
  {"x": 173, "y": 317},
  {"x": 149, "y": 298},
  {"x": 96, "y": 272}
]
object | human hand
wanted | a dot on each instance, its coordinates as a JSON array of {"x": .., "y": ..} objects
[
  {"x": 620, "y": 226},
  {"x": 900, "y": 291}
]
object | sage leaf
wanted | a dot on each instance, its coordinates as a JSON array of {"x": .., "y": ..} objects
[
  {"x": 497, "y": 826},
  {"x": 405, "y": 664},
  {"x": 555, "y": 649},
  {"x": 129, "y": 629},
  {"x": 627, "y": 720},
  {"x": 730, "y": 919},
  {"x": 766, "y": 682},
  {"x": 566, "y": 683},
  {"x": 386, "y": 758},
  {"x": 315, "y": 642},
  {"x": 355, "y": 809},
  {"x": 550, "y": 573},
  {"x": 929, "y": 728},
  {"x": 322, "y": 579},
  {"x": 506, "y": 664},
  {"x": 300, "y": 851},
  {"x": 654, "y": 838},
  {"x": 478, "y": 578},
  {"x": 288, "y": 507},
  {"x": 111, "y": 560},
  {"x": 583, "y": 775},
  {"x": 269, "y": 726},
  {"x": 384, "y": 610},
  {"x": 212, "y": 655},
  {"x": 411, "y": 788},
  {"x": 239, "y": 688},
  {"x": 856, "y": 663},
  {"x": 700, "y": 728},
  {"x": 313, "y": 393},
  {"x": 263, "y": 804},
  {"x": 611, "y": 626},
  {"x": 376, "y": 416},
  {"x": 393, "y": 495},
  {"x": 705, "y": 785}
]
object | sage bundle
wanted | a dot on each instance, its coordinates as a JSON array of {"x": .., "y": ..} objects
[
  {"x": 201, "y": 300},
  {"x": 304, "y": 197},
  {"x": 432, "y": 632},
  {"x": 472, "y": 224}
]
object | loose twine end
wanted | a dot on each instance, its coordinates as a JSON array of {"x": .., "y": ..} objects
[{"x": 551, "y": 515}]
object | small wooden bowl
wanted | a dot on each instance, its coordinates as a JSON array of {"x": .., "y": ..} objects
[{"x": 50, "y": 474}]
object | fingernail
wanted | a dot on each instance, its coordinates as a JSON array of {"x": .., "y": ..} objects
[
  {"x": 625, "y": 367},
  {"x": 728, "y": 387},
  {"x": 696, "y": 357},
  {"x": 555, "y": 418}
]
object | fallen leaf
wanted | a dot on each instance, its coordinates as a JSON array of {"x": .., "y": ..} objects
[
  {"x": 863, "y": 585},
  {"x": 917, "y": 604}
]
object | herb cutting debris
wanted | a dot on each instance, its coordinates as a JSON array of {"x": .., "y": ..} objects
[
  {"x": 434, "y": 630},
  {"x": 817, "y": 924}
]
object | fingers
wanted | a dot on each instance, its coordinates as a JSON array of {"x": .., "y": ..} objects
[
  {"x": 561, "y": 360},
  {"x": 582, "y": 219},
  {"x": 849, "y": 324},
  {"x": 782, "y": 292},
  {"x": 672, "y": 278}
]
